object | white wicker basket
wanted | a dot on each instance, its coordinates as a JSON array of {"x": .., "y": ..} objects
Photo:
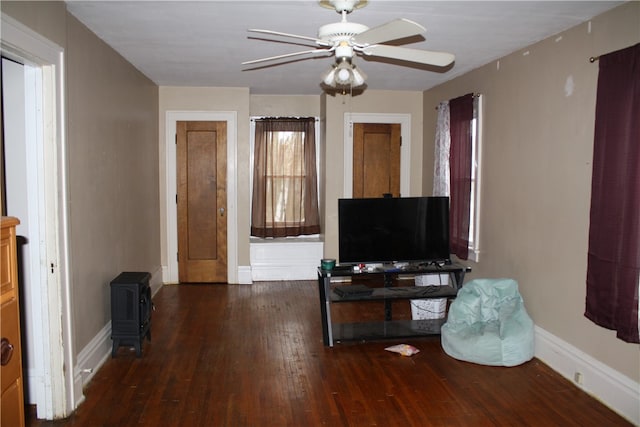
[{"x": 424, "y": 309}]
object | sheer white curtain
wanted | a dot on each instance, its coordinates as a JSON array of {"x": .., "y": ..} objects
[
  {"x": 436, "y": 308},
  {"x": 443, "y": 145},
  {"x": 285, "y": 195}
]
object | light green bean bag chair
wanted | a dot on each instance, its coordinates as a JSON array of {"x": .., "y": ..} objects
[{"x": 488, "y": 324}]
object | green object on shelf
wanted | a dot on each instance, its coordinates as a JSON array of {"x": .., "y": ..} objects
[{"x": 327, "y": 263}]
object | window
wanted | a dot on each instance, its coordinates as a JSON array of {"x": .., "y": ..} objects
[
  {"x": 474, "y": 208},
  {"x": 285, "y": 195},
  {"x": 457, "y": 170}
]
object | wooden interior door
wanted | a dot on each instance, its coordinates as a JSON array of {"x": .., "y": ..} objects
[
  {"x": 376, "y": 159},
  {"x": 202, "y": 201}
]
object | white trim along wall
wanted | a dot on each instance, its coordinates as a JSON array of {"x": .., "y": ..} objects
[
  {"x": 285, "y": 259},
  {"x": 55, "y": 392},
  {"x": 615, "y": 390}
]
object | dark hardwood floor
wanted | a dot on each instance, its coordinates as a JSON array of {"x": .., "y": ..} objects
[{"x": 252, "y": 355}]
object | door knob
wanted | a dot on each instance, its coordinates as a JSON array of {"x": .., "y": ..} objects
[
  {"x": 6, "y": 351},
  {"x": 221, "y": 211}
]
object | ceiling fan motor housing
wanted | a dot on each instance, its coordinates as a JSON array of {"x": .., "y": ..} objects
[
  {"x": 343, "y": 5},
  {"x": 340, "y": 31},
  {"x": 344, "y": 51}
]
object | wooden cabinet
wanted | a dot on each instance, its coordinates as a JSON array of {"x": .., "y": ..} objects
[{"x": 12, "y": 400}]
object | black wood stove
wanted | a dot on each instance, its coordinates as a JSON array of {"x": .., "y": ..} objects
[{"x": 131, "y": 308}]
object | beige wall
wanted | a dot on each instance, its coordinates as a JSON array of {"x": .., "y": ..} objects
[
  {"x": 285, "y": 106},
  {"x": 112, "y": 155},
  {"x": 536, "y": 177},
  {"x": 112, "y": 139},
  {"x": 45, "y": 17}
]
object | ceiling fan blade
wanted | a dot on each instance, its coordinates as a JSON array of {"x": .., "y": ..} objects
[
  {"x": 287, "y": 55},
  {"x": 440, "y": 59},
  {"x": 393, "y": 30},
  {"x": 295, "y": 36}
]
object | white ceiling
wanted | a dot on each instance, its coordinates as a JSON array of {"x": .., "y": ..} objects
[{"x": 202, "y": 43}]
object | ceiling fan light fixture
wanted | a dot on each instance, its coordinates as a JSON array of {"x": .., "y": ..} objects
[
  {"x": 344, "y": 74},
  {"x": 329, "y": 78},
  {"x": 358, "y": 77}
]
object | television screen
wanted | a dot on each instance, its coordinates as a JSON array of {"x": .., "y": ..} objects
[{"x": 386, "y": 230}]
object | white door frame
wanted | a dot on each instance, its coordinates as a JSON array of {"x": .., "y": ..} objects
[
  {"x": 58, "y": 395},
  {"x": 23, "y": 149},
  {"x": 170, "y": 275},
  {"x": 405, "y": 149}
]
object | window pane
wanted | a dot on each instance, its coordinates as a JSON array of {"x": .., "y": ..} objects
[
  {"x": 285, "y": 196},
  {"x": 287, "y": 151},
  {"x": 474, "y": 175},
  {"x": 285, "y": 173}
]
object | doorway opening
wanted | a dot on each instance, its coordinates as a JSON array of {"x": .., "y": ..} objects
[{"x": 55, "y": 390}]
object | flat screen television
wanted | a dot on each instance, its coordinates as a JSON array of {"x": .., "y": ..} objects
[{"x": 388, "y": 230}]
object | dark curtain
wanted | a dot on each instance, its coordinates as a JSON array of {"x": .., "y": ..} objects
[
  {"x": 614, "y": 233},
  {"x": 461, "y": 115},
  {"x": 277, "y": 188}
]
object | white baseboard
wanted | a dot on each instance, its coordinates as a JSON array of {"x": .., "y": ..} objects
[
  {"x": 283, "y": 272},
  {"x": 90, "y": 359},
  {"x": 285, "y": 260},
  {"x": 613, "y": 389},
  {"x": 155, "y": 283},
  {"x": 165, "y": 276},
  {"x": 244, "y": 275}
]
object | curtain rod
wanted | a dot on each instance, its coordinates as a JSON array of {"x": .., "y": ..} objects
[
  {"x": 475, "y": 95},
  {"x": 594, "y": 59},
  {"x": 256, "y": 118}
]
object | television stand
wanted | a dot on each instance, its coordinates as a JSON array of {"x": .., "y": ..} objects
[{"x": 387, "y": 328}]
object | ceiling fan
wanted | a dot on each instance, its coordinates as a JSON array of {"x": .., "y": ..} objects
[{"x": 345, "y": 40}]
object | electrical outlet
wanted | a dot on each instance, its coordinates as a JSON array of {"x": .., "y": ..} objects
[{"x": 577, "y": 377}]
